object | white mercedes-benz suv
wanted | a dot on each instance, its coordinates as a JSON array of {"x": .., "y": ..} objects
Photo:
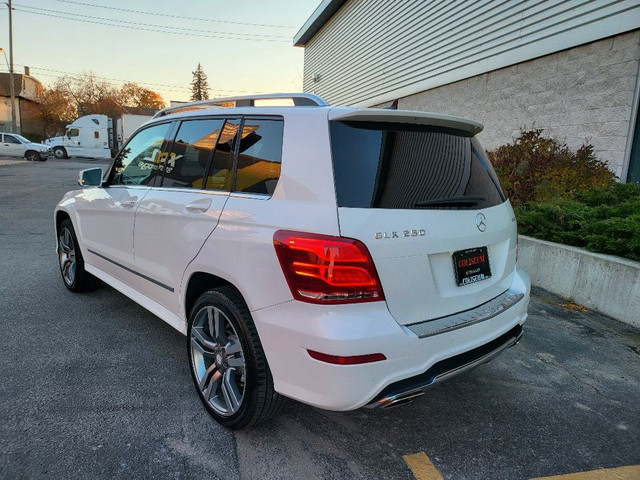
[{"x": 342, "y": 257}]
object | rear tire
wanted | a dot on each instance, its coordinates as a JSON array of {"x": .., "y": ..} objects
[
  {"x": 228, "y": 365},
  {"x": 60, "y": 153},
  {"x": 70, "y": 260}
]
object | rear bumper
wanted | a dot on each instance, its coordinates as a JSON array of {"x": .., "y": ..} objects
[
  {"x": 412, "y": 363},
  {"x": 406, "y": 390}
]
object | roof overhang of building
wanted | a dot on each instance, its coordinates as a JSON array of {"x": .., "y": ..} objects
[{"x": 316, "y": 21}]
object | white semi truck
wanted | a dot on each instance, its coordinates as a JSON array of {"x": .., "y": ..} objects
[
  {"x": 93, "y": 136},
  {"x": 88, "y": 136}
]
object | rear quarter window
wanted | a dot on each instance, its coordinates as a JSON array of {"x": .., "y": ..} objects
[
  {"x": 259, "y": 156},
  {"x": 410, "y": 166}
]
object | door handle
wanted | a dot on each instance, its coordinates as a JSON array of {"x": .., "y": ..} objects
[
  {"x": 199, "y": 206},
  {"x": 128, "y": 203}
]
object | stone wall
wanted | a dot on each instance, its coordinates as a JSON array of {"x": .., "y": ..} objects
[{"x": 580, "y": 95}]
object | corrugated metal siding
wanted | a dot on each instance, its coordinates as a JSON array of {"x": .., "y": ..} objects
[{"x": 372, "y": 51}]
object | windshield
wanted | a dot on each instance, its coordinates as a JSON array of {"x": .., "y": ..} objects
[{"x": 393, "y": 165}]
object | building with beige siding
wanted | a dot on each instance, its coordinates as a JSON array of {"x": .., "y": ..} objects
[{"x": 569, "y": 67}]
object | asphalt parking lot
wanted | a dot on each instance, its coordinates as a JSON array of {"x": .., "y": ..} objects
[{"x": 94, "y": 386}]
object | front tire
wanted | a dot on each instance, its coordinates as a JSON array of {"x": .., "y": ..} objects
[
  {"x": 70, "y": 260},
  {"x": 228, "y": 365},
  {"x": 32, "y": 156},
  {"x": 60, "y": 153}
]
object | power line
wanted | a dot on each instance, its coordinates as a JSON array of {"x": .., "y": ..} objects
[
  {"x": 170, "y": 27},
  {"x": 110, "y": 80},
  {"x": 177, "y": 16},
  {"x": 147, "y": 29}
]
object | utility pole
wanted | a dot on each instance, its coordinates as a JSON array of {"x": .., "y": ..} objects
[{"x": 12, "y": 93}]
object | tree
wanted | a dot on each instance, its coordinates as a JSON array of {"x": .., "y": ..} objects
[
  {"x": 53, "y": 111},
  {"x": 92, "y": 95},
  {"x": 133, "y": 95},
  {"x": 199, "y": 85},
  {"x": 87, "y": 92},
  {"x": 74, "y": 96}
]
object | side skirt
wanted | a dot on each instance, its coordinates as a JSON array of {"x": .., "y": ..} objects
[{"x": 154, "y": 307}]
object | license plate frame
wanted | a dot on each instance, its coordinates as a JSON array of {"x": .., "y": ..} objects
[{"x": 471, "y": 266}]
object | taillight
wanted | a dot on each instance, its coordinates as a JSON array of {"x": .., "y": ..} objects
[{"x": 327, "y": 269}]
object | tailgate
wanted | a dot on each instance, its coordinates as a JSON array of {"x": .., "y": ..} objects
[{"x": 426, "y": 202}]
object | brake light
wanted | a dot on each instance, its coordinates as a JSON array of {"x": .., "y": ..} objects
[{"x": 326, "y": 269}]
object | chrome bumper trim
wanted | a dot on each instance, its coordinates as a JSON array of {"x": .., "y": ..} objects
[
  {"x": 484, "y": 312},
  {"x": 406, "y": 390}
]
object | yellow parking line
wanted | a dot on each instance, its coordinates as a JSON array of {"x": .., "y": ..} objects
[
  {"x": 632, "y": 472},
  {"x": 422, "y": 467}
]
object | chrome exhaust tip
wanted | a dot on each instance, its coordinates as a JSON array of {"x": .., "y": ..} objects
[{"x": 396, "y": 400}]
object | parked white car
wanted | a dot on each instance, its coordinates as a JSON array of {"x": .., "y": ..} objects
[
  {"x": 14, "y": 145},
  {"x": 342, "y": 257}
]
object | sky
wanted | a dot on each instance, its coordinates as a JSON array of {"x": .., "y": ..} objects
[{"x": 244, "y": 46}]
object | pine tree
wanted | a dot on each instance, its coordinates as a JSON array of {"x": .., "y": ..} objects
[{"x": 199, "y": 85}]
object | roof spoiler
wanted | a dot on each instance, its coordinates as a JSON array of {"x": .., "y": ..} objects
[{"x": 408, "y": 116}]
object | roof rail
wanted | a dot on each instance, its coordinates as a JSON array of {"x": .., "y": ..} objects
[{"x": 299, "y": 100}]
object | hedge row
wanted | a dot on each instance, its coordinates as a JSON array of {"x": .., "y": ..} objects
[
  {"x": 568, "y": 197},
  {"x": 603, "y": 220}
]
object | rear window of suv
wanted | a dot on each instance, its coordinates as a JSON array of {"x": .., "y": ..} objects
[{"x": 404, "y": 166}]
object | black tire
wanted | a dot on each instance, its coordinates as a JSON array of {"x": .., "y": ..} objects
[
  {"x": 70, "y": 261},
  {"x": 259, "y": 401},
  {"x": 32, "y": 156},
  {"x": 60, "y": 153}
]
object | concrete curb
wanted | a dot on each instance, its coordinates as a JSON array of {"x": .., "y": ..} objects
[
  {"x": 605, "y": 283},
  {"x": 4, "y": 163}
]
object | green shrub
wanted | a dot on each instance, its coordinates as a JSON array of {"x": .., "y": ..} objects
[
  {"x": 535, "y": 168},
  {"x": 34, "y": 137},
  {"x": 605, "y": 220}
]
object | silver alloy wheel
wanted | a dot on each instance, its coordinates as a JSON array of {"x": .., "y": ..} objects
[
  {"x": 218, "y": 360},
  {"x": 67, "y": 256},
  {"x": 59, "y": 153}
]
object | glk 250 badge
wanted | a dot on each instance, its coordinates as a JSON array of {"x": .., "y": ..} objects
[{"x": 400, "y": 234}]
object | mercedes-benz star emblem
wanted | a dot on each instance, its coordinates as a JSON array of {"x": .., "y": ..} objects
[{"x": 481, "y": 222}]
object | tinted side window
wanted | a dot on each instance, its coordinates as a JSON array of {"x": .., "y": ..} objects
[
  {"x": 139, "y": 162},
  {"x": 220, "y": 174},
  {"x": 260, "y": 156},
  {"x": 190, "y": 154},
  {"x": 11, "y": 139},
  {"x": 74, "y": 132}
]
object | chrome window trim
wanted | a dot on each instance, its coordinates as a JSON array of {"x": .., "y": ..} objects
[{"x": 256, "y": 196}]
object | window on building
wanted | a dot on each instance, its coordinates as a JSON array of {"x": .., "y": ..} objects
[{"x": 260, "y": 156}]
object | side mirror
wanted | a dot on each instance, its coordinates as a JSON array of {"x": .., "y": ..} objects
[{"x": 91, "y": 177}]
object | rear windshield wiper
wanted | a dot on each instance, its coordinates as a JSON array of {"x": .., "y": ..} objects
[{"x": 465, "y": 201}]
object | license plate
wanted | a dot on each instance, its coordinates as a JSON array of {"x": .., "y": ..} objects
[{"x": 471, "y": 265}]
